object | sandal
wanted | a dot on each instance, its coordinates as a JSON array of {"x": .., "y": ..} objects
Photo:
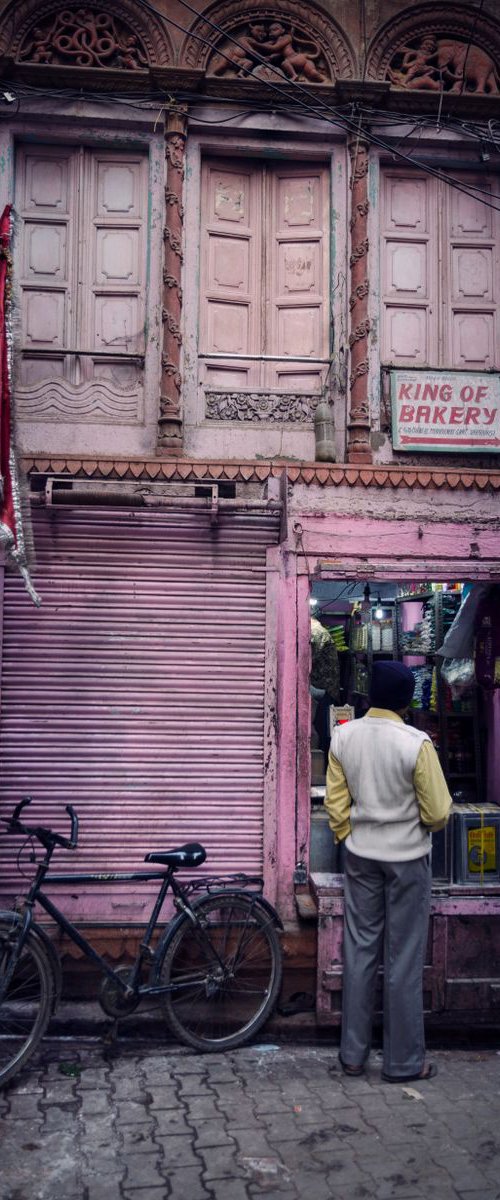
[
  {"x": 354, "y": 1071},
  {"x": 428, "y": 1072}
]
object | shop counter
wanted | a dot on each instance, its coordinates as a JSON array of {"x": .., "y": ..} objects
[{"x": 462, "y": 967}]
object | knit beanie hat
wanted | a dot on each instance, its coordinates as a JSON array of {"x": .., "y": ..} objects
[{"x": 392, "y": 685}]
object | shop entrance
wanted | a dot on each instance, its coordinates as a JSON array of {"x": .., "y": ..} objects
[{"x": 448, "y": 633}]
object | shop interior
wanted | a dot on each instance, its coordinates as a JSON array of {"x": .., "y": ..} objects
[{"x": 449, "y": 635}]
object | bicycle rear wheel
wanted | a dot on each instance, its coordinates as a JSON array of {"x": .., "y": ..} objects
[
  {"x": 26, "y": 1007},
  {"x": 225, "y": 971}
]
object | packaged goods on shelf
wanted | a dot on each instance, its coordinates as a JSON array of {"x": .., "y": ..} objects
[{"x": 476, "y": 844}]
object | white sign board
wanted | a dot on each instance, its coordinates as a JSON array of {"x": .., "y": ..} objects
[{"x": 445, "y": 410}]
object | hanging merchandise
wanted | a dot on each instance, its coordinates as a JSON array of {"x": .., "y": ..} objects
[
  {"x": 459, "y": 640},
  {"x": 337, "y": 634},
  {"x": 459, "y": 674}
]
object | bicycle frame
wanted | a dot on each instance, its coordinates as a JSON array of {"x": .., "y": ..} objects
[{"x": 35, "y": 895}]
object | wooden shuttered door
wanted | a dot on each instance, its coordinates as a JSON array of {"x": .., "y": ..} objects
[
  {"x": 81, "y": 262},
  {"x": 440, "y": 249},
  {"x": 136, "y": 692},
  {"x": 264, "y": 276}
]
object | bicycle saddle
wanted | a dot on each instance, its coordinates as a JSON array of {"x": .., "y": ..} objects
[{"x": 190, "y": 855}]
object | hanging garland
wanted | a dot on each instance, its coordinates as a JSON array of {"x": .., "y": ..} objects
[{"x": 11, "y": 524}]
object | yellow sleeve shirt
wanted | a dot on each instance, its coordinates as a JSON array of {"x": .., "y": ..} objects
[{"x": 431, "y": 790}]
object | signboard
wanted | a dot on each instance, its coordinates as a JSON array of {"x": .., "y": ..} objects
[{"x": 445, "y": 410}]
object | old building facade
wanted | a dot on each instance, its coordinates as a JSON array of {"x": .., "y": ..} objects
[{"x": 255, "y": 316}]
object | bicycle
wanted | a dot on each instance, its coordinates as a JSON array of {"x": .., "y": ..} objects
[{"x": 216, "y": 968}]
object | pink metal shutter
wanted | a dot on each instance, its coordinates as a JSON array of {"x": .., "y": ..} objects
[{"x": 137, "y": 691}]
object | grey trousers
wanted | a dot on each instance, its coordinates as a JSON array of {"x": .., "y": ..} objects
[{"x": 386, "y": 912}]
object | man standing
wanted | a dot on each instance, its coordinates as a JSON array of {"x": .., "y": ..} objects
[{"x": 385, "y": 793}]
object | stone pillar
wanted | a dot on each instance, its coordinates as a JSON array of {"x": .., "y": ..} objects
[
  {"x": 170, "y": 418},
  {"x": 358, "y": 420}
]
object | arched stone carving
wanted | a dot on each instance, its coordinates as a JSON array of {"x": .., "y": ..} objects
[
  {"x": 299, "y": 41},
  {"x": 113, "y": 34},
  {"x": 438, "y": 49}
]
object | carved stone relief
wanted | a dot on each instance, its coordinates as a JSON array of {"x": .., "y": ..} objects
[
  {"x": 297, "y": 43},
  {"x": 435, "y": 50},
  {"x": 285, "y": 407},
  {"x": 84, "y": 38},
  {"x": 444, "y": 64},
  {"x": 283, "y": 49},
  {"x": 116, "y": 35}
]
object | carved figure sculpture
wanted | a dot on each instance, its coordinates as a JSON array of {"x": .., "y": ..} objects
[
  {"x": 417, "y": 68},
  {"x": 240, "y": 57},
  {"x": 437, "y": 64},
  {"x": 283, "y": 49},
  {"x": 289, "y": 51},
  {"x": 459, "y": 62}
]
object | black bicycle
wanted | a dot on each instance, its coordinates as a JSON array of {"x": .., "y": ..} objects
[{"x": 216, "y": 968}]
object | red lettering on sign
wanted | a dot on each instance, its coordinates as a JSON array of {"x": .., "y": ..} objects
[
  {"x": 439, "y": 416},
  {"x": 430, "y": 391},
  {"x": 457, "y": 416},
  {"x": 490, "y": 413},
  {"x": 445, "y": 392},
  {"x": 480, "y": 394},
  {"x": 467, "y": 393},
  {"x": 472, "y": 416},
  {"x": 405, "y": 391},
  {"x": 406, "y": 413},
  {"x": 423, "y": 413}
]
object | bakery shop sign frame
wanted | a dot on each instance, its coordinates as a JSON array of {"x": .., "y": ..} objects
[{"x": 446, "y": 411}]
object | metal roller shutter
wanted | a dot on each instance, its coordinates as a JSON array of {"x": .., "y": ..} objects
[{"x": 136, "y": 692}]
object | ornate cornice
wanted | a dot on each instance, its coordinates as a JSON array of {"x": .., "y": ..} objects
[{"x": 324, "y": 475}]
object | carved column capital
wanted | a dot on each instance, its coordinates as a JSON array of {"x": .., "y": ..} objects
[
  {"x": 170, "y": 417},
  {"x": 358, "y": 422}
]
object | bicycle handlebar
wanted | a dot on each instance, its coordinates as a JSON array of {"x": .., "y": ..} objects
[{"x": 45, "y": 836}]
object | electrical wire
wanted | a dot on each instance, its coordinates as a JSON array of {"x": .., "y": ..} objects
[
  {"x": 296, "y": 86},
  {"x": 324, "y": 111}
]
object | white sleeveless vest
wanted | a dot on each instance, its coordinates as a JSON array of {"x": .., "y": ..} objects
[{"x": 378, "y": 757}]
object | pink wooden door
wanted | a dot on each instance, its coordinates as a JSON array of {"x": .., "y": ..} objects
[
  {"x": 297, "y": 324},
  {"x": 409, "y": 262},
  {"x": 264, "y": 277},
  {"x": 471, "y": 336},
  {"x": 440, "y": 250},
  {"x": 231, "y": 274},
  {"x": 81, "y": 275}
]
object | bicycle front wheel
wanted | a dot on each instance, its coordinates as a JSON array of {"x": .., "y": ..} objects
[
  {"x": 26, "y": 1007},
  {"x": 224, "y": 971}
]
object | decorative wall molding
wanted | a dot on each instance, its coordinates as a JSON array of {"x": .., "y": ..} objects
[
  {"x": 95, "y": 402},
  {"x": 170, "y": 415},
  {"x": 358, "y": 421},
  {"x": 309, "y": 46},
  {"x": 284, "y": 407},
  {"x": 436, "y": 48},
  {"x": 311, "y": 474},
  {"x": 113, "y": 34}
]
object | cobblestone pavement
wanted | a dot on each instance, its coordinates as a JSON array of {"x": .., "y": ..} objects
[{"x": 270, "y": 1120}]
